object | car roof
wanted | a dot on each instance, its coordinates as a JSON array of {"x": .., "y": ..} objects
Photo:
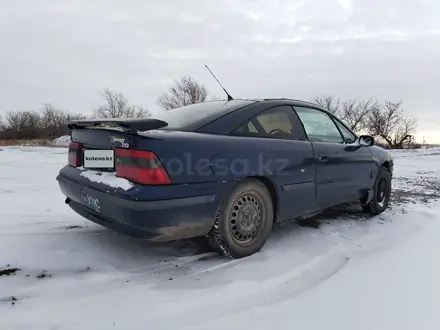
[
  {"x": 282, "y": 100},
  {"x": 225, "y": 107},
  {"x": 294, "y": 102}
]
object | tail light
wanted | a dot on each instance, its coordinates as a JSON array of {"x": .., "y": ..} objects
[
  {"x": 140, "y": 166},
  {"x": 75, "y": 154}
]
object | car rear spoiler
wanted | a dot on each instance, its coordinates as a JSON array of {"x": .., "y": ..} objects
[{"x": 128, "y": 125}]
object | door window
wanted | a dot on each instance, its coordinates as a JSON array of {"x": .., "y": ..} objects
[
  {"x": 348, "y": 136},
  {"x": 278, "y": 122},
  {"x": 318, "y": 125}
]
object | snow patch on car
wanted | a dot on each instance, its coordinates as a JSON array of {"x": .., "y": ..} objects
[{"x": 107, "y": 178}]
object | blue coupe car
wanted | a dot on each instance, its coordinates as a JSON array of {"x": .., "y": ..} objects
[{"x": 225, "y": 170}]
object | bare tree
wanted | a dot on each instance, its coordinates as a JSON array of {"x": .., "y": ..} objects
[
  {"x": 137, "y": 111},
  {"x": 14, "y": 120},
  {"x": 329, "y": 103},
  {"x": 52, "y": 116},
  {"x": 389, "y": 123},
  {"x": 32, "y": 120},
  {"x": 183, "y": 92},
  {"x": 352, "y": 112},
  {"x": 25, "y": 124},
  {"x": 77, "y": 116},
  {"x": 117, "y": 106},
  {"x": 54, "y": 121}
]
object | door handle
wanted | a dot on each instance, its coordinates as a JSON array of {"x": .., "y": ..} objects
[{"x": 322, "y": 158}]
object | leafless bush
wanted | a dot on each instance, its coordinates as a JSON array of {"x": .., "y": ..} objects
[
  {"x": 48, "y": 123},
  {"x": 183, "y": 92},
  {"x": 24, "y": 124},
  {"x": 116, "y": 106}
]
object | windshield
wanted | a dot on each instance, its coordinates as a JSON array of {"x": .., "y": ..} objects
[{"x": 179, "y": 118}]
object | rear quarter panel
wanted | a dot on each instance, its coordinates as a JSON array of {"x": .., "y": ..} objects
[{"x": 194, "y": 158}]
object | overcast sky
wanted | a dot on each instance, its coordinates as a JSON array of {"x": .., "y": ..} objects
[{"x": 66, "y": 52}]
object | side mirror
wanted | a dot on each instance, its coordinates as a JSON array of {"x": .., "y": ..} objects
[{"x": 366, "y": 140}]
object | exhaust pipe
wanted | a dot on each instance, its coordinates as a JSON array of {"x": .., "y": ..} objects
[{"x": 68, "y": 200}]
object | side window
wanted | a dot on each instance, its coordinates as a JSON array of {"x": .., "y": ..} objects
[
  {"x": 278, "y": 122},
  {"x": 318, "y": 125},
  {"x": 251, "y": 128},
  {"x": 348, "y": 136}
]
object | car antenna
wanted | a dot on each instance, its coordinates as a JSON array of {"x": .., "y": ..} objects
[{"x": 230, "y": 98}]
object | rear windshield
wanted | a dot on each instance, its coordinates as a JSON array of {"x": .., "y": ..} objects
[{"x": 182, "y": 118}]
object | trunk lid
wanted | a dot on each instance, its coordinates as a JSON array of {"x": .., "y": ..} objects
[
  {"x": 113, "y": 147},
  {"x": 98, "y": 139}
]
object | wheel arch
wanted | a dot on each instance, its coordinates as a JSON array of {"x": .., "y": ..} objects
[
  {"x": 272, "y": 188},
  {"x": 387, "y": 165}
]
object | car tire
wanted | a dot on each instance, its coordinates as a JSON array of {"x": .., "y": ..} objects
[
  {"x": 244, "y": 220},
  {"x": 381, "y": 193}
]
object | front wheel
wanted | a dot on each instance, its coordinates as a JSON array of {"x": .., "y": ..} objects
[
  {"x": 244, "y": 220},
  {"x": 381, "y": 193}
]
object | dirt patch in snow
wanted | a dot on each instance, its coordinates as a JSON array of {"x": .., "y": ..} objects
[
  {"x": 84, "y": 270},
  {"x": 402, "y": 197},
  {"x": 422, "y": 189},
  {"x": 73, "y": 227},
  {"x": 44, "y": 274},
  {"x": 9, "y": 271},
  {"x": 13, "y": 300}
]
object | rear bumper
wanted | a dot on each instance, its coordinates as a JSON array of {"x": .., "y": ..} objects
[{"x": 155, "y": 220}]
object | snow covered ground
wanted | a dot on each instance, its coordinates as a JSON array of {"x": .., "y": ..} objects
[{"x": 352, "y": 272}]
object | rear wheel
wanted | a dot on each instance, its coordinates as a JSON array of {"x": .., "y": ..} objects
[
  {"x": 244, "y": 220},
  {"x": 381, "y": 193}
]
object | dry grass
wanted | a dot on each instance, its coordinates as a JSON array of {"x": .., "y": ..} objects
[{"x": 29, "y": 143}]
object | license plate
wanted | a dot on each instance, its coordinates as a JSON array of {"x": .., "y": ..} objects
[{"x": 99, "y": 158}]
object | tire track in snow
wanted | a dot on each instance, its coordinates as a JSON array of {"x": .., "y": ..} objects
[
  {"x": 192, "y": 304},
  {"x": 241, "y": 296},
  {"x": 98, "y": 281},
  {"x": 194, "y": 309}
]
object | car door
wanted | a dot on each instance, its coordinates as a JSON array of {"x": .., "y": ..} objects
[
  {"x": 343, "y": 169},
  {"x": 360, "y": 156},
  {"x": 279, "y": 132}
]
